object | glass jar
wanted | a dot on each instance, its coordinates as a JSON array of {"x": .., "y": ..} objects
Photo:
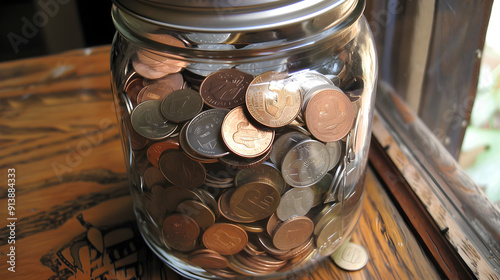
[{"x": 245, "y": 128}]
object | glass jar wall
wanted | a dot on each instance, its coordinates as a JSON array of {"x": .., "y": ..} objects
[{"x": 245, "y": 129}]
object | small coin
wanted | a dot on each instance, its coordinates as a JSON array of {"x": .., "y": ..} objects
[
  {"x": 283, "y": 144},
  {"x": 147, "y": 71},
  {"x": 180, "y": 170},
  {"x": 154, "y": 151},
  {"x": 329, "y": 236},
  {"x": 148, "y": 121},
  {"x": 189, "y": 151},
  {"x": 225, "y": 88},
  {"x": 329, "y": 115},
  {"x": 273, "y": 99},
  {"x": 153, "y": 92},
  {"x": 209, "y": 259},
  {"x": 293, "y": 232},
  {"x": 305, "y": 164},
  {"x": 272, "y": 223},
  {"x": 153, "y": 176},
  {"x": 208, "y": 38},
  {"x": 203, "y": 133},
  {"x": 133, "y": 86},
  {"x": 242, "y": 137},
  {"x": 225, "y": 238},
  {"x": 174, "y": 81},
  {"x": 180, "y": 232},
  {"x": 181, "y": 105},
  {"x": 254, "y": 201},
  {"x": 320, "y": 188},
  {"x": 295, "y": 202},
  {"x": 350, "y": 257},
  {"x": 198, "y": 211},
  {"x": 265, "y": 172}
]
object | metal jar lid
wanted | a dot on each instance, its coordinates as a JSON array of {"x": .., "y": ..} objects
[{"x": 237, "y": 15}]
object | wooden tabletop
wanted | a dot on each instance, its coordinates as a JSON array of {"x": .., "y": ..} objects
[{"x": 68, "y": 214}]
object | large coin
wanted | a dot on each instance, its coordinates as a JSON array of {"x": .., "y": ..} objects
[
  {"x": 153, "y": 92},
  {"x": 225, "y": 238},
  {"x": 225, "y": 88},
  {"x": 295, "y": 202},
  {"x": 350, "y": 257},
  {"x": 242, "y": 137},
  {"x": 292, "y": 233},
  {"x": 273, "y": 99},
  {"x": 203, "y": 133},
  {"x": 252, "y": 202},
  {"x": 329, "y": 115},
  {"x": 305, "y": 164},
  {"x": 283, "y": 144},
  {"x": 264, "y": 172},
  {"x": 181, "y": 105},
  {"x": 180, "y": 232},
  {"x": 148, "y": 121},
  {"x": 180, "y": 170}
]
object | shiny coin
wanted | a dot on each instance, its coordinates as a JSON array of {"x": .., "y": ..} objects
[
  {"x": 308, "y": 80},
  {"x": 189, "y": 151},
  {"x": 208, "y": 38},
  {"x": 148, "y": 121},
  {"x": 203, "y": 133},
  {"x": 320, "y": 188},
  {"x": 174, "y": 81},
  {"x": 237, "y": 162},
  {"x": 273, "y": 99},
  {"x": 181, "y": 105},
  {"x": 242, "y": 137},
  {"x": 198, "y": 211},
  {"x": 295, "y": 202},
  {"x": 225, "y": 88},
  {"x": 335, "y": 151},
  {"x": 180, "y": 170},
  {"x": 265, "y": 172},
  {"x": 305, "y": 164},
  {"x": 329, "y": 236},
  {"x": 224, "y": 238},
  {"x": 272, "y": 223},
  {"x": 350, "y": 257},
  {"x": 292, "y": 233},
  {"x": 283, "y": 144},
  {"x": 180, "y": 232},
  {"x": 133, "y": 87},
  {"x": 153, "y": 92},
  {"x": 154, "y": 151},
  {"x": 208, "y": 259},
  {"x": 254, "y": 201},
  {"x": 329, "y": 115}
]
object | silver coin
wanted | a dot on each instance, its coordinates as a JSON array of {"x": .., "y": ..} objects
[
  {"x": 295, "y": 202},
  {"x": 335, "y": 151},
  {"x": 208, "y": 38},
  {"x": 203, "y": 133},
  {"x": 308, "y": 80},
  {"x": 205, "y": 69},
  {"x": 284, "y": 143},
  {"x": 305, "y": 164},
  {"x": 321, "y": 187},
  {"x": 266, "y": 65},
  {"x": 148, "y": 121},
  {"x": 350, "y": 256},
  {"x": 181, "y": 105}
]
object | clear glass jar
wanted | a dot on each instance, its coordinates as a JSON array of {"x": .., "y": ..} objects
[{"x": 245, "y": 128}]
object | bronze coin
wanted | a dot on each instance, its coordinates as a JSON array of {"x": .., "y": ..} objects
[
  {"x": 225, "y": 88},
  {"x": 254, "y": 201},
  {"x": 180, "y": 170},
  {"x": 273, "y": 99},
  {"x": 162, "y": 201},
  {"x": 293, "y": 232},
  {"x": 226, "y": 239},
  {"x": 180, "y": 232},
  {"x": 242, "y": 137},
  {"x": 329, "y": 115},
  {"x": 174, "y": 81},
  {"x": 224, "y": 208},
  {"x": 154, "y": 92},
  {"x": 209, "y": 260},
  {"x": 133, "y": 87},
  {"x": 154, "y": 151},
  {"x": 181, "y": 105},
  {"x": 272, "y": 223},
  {"x": 153, "y": 176},
  {"x": 198, "y": 211}
]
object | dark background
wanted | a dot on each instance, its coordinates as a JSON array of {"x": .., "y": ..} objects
[{"x": 31, "y": 28}]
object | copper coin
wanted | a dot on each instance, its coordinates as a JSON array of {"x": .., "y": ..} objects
[
  {"x": 154, "y": 151},
  {"x": 153, "y": 176},
  {"x": 198, "y": 211},
  {"x": 133, "y": 87},
  {"x": 254, "y": 201},
  {"x": 180, "y": 170},
  {"x": 272, "y": 223},
  {"x": 181, "y": 105},
  {"x": 224, "y": 208},
  {"x": 242, "y": 137},
  {"x": 226, "y": 239},
  {"x": 175, "y": 81},
  {"x": 329, "y": 115},
  {"x": 164, "y": 200},
  {"x": 203, "y": 133},
  {"x": 180, "y": 232},
  {"x": 153, "y": 92},
  {"x": 209, "y": 260},
  {"x": 147, "y": 71},
  {"x": 266, "y": 242},
  {"x": 293, "y": 232},
  {"x": 225, "y": 88},
  {"x": 297, "y": 251},
  {"x": 273, "y": 99}
]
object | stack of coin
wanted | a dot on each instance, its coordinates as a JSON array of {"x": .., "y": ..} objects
[{"x": 241, "y": 170}]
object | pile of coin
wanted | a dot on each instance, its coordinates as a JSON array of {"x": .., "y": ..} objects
[{"x": 238, "y": 170}]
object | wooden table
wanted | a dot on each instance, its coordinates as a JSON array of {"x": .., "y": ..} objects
[{"x": 71, "y": 217}]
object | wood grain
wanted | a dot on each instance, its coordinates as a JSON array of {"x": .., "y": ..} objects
[{"x": 73, "y": 209}]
